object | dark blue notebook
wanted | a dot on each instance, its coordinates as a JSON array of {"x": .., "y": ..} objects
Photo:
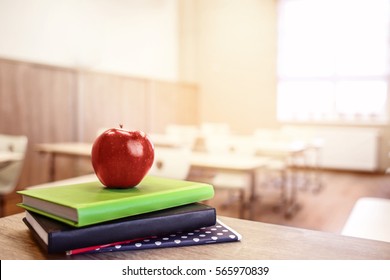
[{"x": 218, "y": 233}]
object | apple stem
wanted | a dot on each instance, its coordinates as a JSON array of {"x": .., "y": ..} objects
[{"x": 121, "y": 125}]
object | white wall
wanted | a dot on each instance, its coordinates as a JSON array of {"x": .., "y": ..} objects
[
  {"x": 135, "y": 37},
  {"x": 234, "y": 60}
]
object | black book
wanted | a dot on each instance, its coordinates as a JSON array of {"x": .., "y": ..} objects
[{"x": 57, "y": 237}]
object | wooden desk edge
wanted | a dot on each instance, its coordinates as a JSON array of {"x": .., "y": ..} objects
[{"x": 259, "y": 241}]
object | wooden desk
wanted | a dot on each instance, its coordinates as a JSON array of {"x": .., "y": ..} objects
[
  {"x": 199, "y": 159},
  {"x": 259, "y": 241},
  {"x": 164, "y": 140},
  {"x": 70, "y": 149},
  {"x": 232, "y": 163},
  {"x": 280, "y": 148}
]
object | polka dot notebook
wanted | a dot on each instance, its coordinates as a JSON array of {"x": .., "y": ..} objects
[{"x": 218, "y": 233}]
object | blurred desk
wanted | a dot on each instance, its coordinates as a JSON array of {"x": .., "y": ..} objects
[
  {"x": 198, "y": 159},
  {"x": 287, "y": 157},
  {"x": 77, "y": 149},
  {"x": 281, "y": 149},
  {"x": 70, "y": 149},
  {"x": 226, "y": 161},
  {"x": 232, "y": 163},
  {"x": 164, "y": 140}
]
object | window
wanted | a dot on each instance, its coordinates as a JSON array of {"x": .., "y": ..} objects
[{"x": 333, "y": 60}]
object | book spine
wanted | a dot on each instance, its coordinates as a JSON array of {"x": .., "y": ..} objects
[{"x": 63, "y": 241}]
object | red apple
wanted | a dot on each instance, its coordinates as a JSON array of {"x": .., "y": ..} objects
[{"x": 122, "y": 158}]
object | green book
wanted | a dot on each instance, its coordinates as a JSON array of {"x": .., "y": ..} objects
[{"x": 91, "y": 203}]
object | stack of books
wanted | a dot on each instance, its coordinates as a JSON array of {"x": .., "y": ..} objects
[{"x": 90, "y": 218}]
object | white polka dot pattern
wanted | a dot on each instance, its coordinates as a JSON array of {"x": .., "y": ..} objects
[{"x": 214, "y": 234}]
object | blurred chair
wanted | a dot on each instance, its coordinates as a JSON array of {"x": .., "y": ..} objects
[
  {"x": 217, "y": 144},
  {"x": 232, "y": 182},
  {"x": 172, "y": 162},
  {"x": 10, "y": 171},
  {"x": 369, "y": 218},
  {"x": 185, "y": 135},
  {"x": 278, "y": 171},
  {"x": 211, "y": 128},
  {"x": 310, "y": 161}
]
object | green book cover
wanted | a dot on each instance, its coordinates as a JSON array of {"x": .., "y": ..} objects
[{"x": 90, "y": 203}]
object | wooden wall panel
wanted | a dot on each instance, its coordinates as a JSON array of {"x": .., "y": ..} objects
[
  {"x": 188, "y": 109},
  {"x": 107, "y": 101},
  {"x": 37, "y": 102},
  {"x": 172, "y": 103}
]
